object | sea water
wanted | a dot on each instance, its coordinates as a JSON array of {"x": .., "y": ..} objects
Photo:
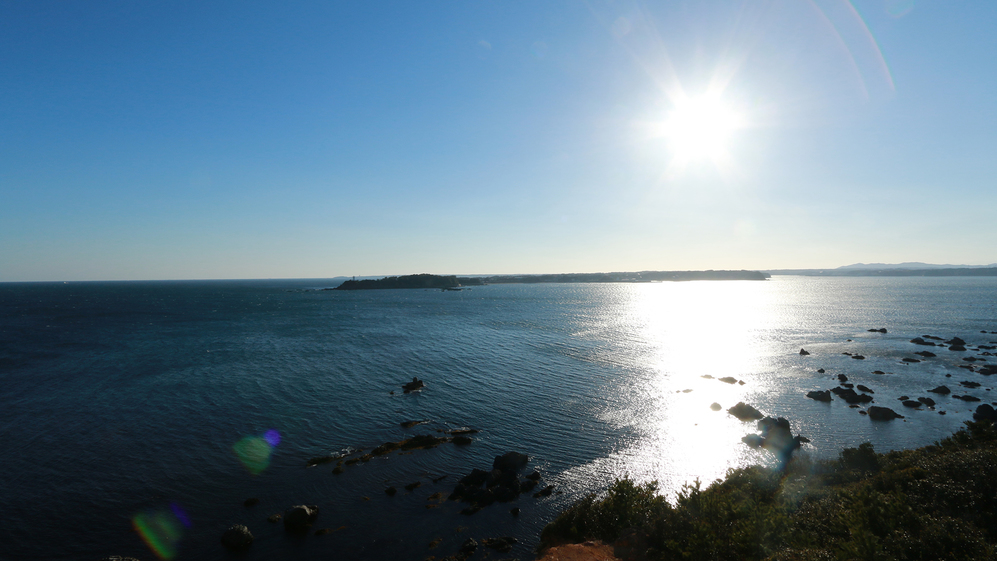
[{"x": 135, "y": 418}]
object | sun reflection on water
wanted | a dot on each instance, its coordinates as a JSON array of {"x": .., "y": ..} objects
[{"x": 685, "y": 337}]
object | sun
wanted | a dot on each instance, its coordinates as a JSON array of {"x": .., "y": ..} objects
[{"x": 700, "y": 129}]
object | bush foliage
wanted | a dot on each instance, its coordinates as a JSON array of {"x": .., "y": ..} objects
[{"x": 936, "y": 502}]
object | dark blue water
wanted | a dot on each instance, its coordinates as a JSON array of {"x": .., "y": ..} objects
[{"x": 125, "y": 399}]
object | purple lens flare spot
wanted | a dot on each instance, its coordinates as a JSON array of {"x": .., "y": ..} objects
[
  {"x": 272, "y": 437},
  {"x": 180, "y": 514}
]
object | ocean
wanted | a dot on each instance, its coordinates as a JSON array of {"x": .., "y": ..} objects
[{"x": 137, "y": 417}]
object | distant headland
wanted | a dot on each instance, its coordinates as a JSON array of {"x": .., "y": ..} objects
[{"x": 453, "y": 282}]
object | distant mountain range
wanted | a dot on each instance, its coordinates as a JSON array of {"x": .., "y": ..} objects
[
  {"x": 913, "y": 265},
  {"x": 910, "y": 269}
]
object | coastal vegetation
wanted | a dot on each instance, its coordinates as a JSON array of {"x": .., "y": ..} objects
[{"x": 935, "y": 502}]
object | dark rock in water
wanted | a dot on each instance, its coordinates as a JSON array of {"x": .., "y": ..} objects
[
  {"x": 985, "y": 413},
  {"x": 745, "y": 412},
  {"x": 820, "y": 370},
  {"x": 941, "y": 390},
  {"x": 273, "y": 518},
  {"x": 470, "y": 510},
  {"x": 510, "y": 461},
  {"x": 480, "y": 497},
  {"x": 535, "y": 476},
  {"x": 418, "y": 441},
  {"x": 237, "y": 538},
  {"x": 707, "y": 376},
  {"x": 740, "y": 382},
  {"x": 820, "y": 395},
  {"x": 390, "y": 491},
  {"x": 527, "y": 485},
  {"x": 716, "y": 407},
  {"x": 545, "y": 492},
  {"x": 927, "y": 401},
  {"x": 800, "y": 439},
  {"x": 251, "y": 502},
  {"x": 957, "y": 348},
  {"x": 989, "y": 370},
  {"x": 851, "y": 396},
  {"x": 920, "y": 341},
  {"x": 474, "y": 479},
  {"x": 864, "y": 389},
  {"x": 412, "y": 486},
  {"x": 956, "y": 341},
  {"x": 881, "y": 330},
  {"x": 410, "y": 424},
  {"x": 458, "y": 493},
  {"x": 848, "y": 386},
  {"x": 966, "y": 397},
  {"x": 926, "y": 354},
  {"x": 911, "y": 360},
  {"x": 858, "y": 357},
  {"x": 803, "y": 352},
  {"x": 903, "y": 398},
  {"x": 462, "y": 440},
  {"x": 883, "y": 414},
  {"x": 753, "y": 440},
  {"x": 504, "y": 494},
  {"x": 728, "y": 380},
  {"x": 501, "y": 545},
  {"x": 415, "y": 384},
  {"x": 469, "y": 546},
  {"x": 514, "y": 511},
  {"x": 968, "y": 384},
  {"x": 298, "y": 519},
  {"x": 911, "y": 403},
  {"x": 863, "y": 412},
  {"x": 880, "y": 372},
  {"x": 842, "y": 378}
]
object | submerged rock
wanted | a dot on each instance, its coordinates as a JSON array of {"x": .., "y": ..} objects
[{"x": 943, "y": 390}]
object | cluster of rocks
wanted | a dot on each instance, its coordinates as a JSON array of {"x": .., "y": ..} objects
[
  {"x": 503, "y": 483},
  {"x": 470, "y": 545}
]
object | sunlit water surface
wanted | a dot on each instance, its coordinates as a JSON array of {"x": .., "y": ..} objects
[{"x": 127, "y": 401}]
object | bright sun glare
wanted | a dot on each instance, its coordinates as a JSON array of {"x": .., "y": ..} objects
[{"x": 700, "y": 129}]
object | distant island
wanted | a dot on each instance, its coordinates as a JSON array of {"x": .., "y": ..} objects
[
  {"x": 407, "y": 281},
  {"x": 453, "y": 282}
]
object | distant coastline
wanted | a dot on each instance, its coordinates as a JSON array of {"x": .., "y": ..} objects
[
  {"x": 453, "y": 282},
  {"x": 890, "y": 272}
]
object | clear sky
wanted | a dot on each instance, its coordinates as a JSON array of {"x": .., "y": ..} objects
[{"x": 175, "y": 140}]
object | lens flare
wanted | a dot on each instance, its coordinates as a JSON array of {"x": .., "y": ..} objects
[
  {"x": 254, "y": 451},
  {"x": 161, "y": 530}
]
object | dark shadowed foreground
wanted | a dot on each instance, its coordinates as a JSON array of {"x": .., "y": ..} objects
[{"x": 935, "y": 502}]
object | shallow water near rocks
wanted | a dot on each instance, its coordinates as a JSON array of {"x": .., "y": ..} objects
[{"x": 123, "y": 400}]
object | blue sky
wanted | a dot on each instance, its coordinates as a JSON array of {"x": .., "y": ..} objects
[{"x": 174, "y": 140}]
